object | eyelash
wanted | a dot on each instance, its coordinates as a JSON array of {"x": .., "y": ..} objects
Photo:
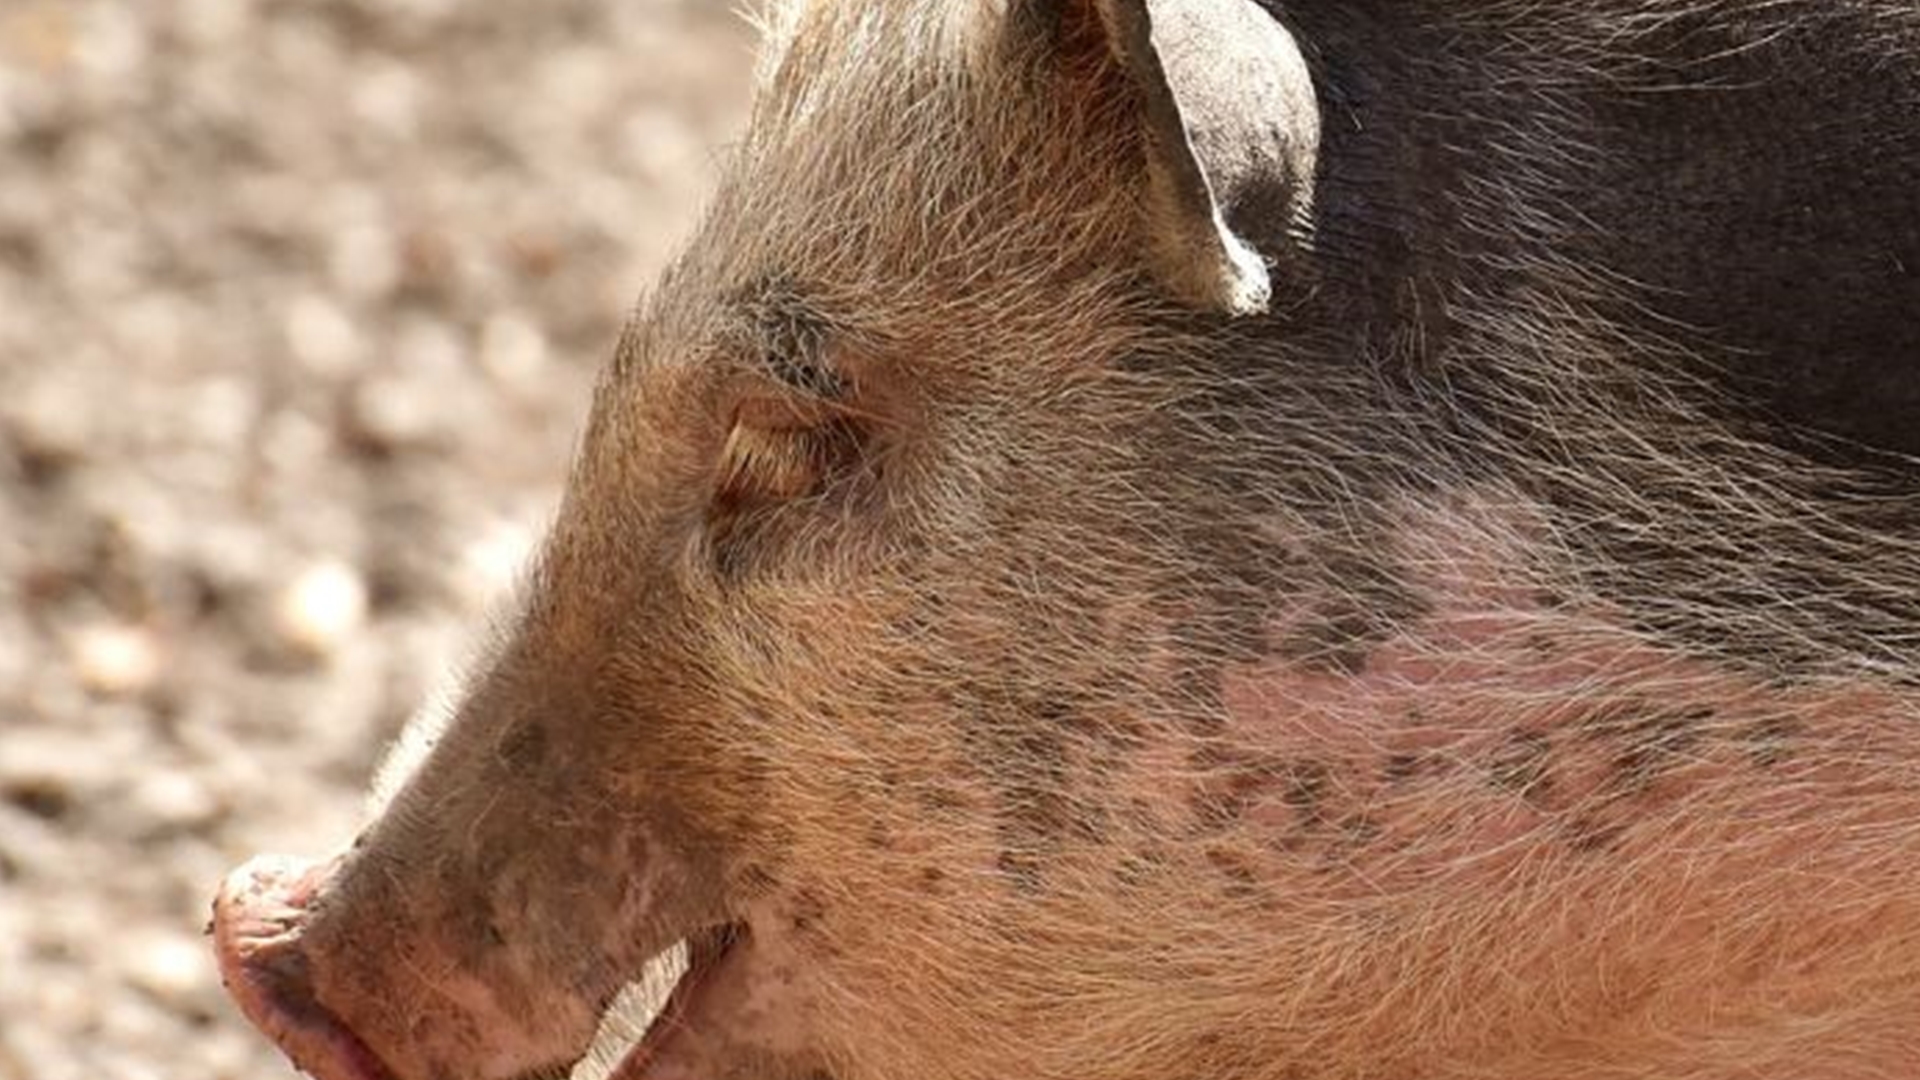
[{"x": 763, "y": 466}]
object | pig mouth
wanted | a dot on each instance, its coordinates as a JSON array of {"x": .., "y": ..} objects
[{"x": 260, "y": 915}]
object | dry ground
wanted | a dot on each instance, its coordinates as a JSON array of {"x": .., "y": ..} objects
[{"x": 299, "y": 303}]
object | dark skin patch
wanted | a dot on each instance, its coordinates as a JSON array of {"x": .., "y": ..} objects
[
  {"x": 1338, "y": 642},
  {"x": 1030, "y": 739},
  {"x": 941, "y": 802},
  {"x": 1588, "y": 835},
  {"x": 524, "y": 748},
  {"x": 806, "y": 911},
  {"x": 1358, "y": 830},
  {"x": 1241, "y": 883},
  {"x": 1759, "y": 286},
  {"x": 1305, "y": 787},
  {"x": 1136, "y": 868},
  {"x": 1372, "y": 601},
  {"x": 1768, "y": 741},
  {"x": 1033, "y": 812},
  {"x": 788, "y": 338},
  {"x": 1519, "y": 766},
  {"x": 1656, "y": 741},
  {"x": 1402, "y": 768},
  {"x": 1022, "y": 870},
  {"x": 1349, "y": 836},
  {"x": 1548, "y": 598},
  {"x": 1234, "y": 780}
]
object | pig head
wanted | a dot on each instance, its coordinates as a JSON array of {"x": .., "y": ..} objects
[{"x": 1143, "y": 537}]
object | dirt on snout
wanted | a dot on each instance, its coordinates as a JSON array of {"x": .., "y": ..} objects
[{"x": 299, "y": 301}]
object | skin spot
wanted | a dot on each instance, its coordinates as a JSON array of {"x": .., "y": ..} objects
[
  {"x": 1587, "y": 835},
  {"x": 940, "y": 802},
  {"x": 1372, "y": 603},
  {"x": 1304, "y": 790},
  {"x": 1235, "y": 780},
  {"x": 1359, "y": 830},
  {"x": 1656, "y": 742},
  {"x": 1241, "y": 883},
  {"x": 1519, "y": 765},
  {"x": 932, "y": 880},
  {"x": 1022, "y": 871},
  {"x": 1194, "y": 695},
  {"x": 806, "y": 912},
  {"x": 1768, "y": 741},
  {"x": 1136, "y": 868},
  {"x": 1548, "y": 598},
  {"x": 1400, "y": 768},
  {"x": 1335, "y": 644},
  {"x": 525, "y": 747},
  {"x": 1036, "y": 814}
]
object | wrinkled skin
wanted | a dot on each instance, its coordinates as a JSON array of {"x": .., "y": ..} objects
[{"x": 1495, "y": 653}]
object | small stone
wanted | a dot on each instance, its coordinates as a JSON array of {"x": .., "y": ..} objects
[
  {"x": 170, "y": 966},
  {"x": 52, "y": 772},
  {"x": 321, "y": 336},
  {"x": 365, "y": 260},
  {"x": 513, "y": 350},
  {"x": 292, "y": 443},
  {"x": 50, "y": 421},
  {"x": 115, "y": 661},
  {"x": 389, "y": 413},
  {"x": 415, "y": 402},
  {"x": 387, "y": 97},
  {"x": 323, "y": 606},
  {"x": 111, "y": 45},
  {"x": 210, "y": 23},
  {"x": 174, "y": 799}
]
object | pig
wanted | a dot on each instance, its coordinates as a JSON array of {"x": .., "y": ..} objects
[{"x": 1298, "y": 540}]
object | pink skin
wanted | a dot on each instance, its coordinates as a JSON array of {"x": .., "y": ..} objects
[{"x": 1709, "y": 831}]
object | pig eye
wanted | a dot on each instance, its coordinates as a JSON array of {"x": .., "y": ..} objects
[{"x": 784, "y": 453}]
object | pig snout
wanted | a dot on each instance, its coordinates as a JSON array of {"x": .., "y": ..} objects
[
  {"x": 383, "y": 964},
  {"x": 259, "y": 923},
  {"x": 354, "y": 988}
]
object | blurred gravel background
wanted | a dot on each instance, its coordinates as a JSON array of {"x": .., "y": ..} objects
[{"x": 300, "y": 301}]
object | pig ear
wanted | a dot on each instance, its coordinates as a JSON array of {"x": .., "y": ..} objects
[{"x": 1231, "y": 127}]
